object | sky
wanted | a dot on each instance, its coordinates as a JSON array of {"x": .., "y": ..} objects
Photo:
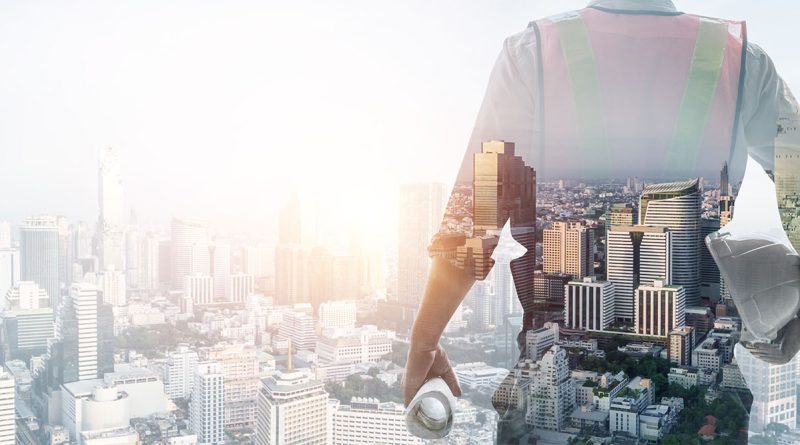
[{"x": 222, "y": 109}]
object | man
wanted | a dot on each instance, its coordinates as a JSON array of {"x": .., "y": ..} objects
[{"x": 621, "y": 88}]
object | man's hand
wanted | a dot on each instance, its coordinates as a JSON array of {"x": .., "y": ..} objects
[{"x": 424, "y": 364}]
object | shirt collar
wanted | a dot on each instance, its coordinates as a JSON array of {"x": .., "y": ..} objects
[{"x": 636, "y": 5}]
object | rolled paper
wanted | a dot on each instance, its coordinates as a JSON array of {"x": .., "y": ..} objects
[{"x": 430, "y": 413}]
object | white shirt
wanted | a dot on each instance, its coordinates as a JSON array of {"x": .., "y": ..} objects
[{"x": 509, "y": 108}]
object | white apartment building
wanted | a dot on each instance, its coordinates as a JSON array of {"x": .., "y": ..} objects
[
  {"x": 292, "y": 410},
  {"x": 589, "y": 304},
  {"x": 8, "y": 416},
  {"x": 207, "y": 405},
  {"x": 179, "y": 373},
  {"x": 366, "y": 420}
]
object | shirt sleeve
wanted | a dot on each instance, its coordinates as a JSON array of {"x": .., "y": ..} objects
[{"x": 507, "y": 113}]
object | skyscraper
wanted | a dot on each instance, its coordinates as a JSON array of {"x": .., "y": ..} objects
[
  {"x": 8, "y": 417},
  {"x": 190, "y": 250},
  {"x": 149, "y": 264},
  {"x": 420, "y": 212},
  {"x": 221, "y": 268},
  {"x": 635, "y": 255},
  {"x": 709, "y": 271},
  {"x": 9, "y": 269},
  {"x": 504, "y": 189},
  {"x": 724, "y": 181},
  {"x": 240, "y": 286},
  {"x": 676, "y": 205},
  {"x": 181, "y": 366},
  {"x": 112, "y": 210},
  {"x": 292, "y": 409},
  {"x": 659, "y": 308},
  {"x": 207, "y": 405},
  {"x": 199, "y": 288},
  {"x": 569, "y": 248},
  {"x": 39, "y": 255},
  {"x": 114, "y": 287},
  {"x": 589, "y": 304}
]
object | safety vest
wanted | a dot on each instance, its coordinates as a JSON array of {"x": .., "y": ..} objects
[{"x": 650, "y": 93}]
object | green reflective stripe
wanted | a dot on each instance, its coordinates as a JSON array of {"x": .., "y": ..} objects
[
  {"x": 690, "y": 125},
  {"x": 579, "y": 56}
]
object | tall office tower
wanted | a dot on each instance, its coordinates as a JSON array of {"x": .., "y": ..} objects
[
  {"x": 292, "y": 274},
  {"x": 179, "y": 373},
  {"x": 190, "y": 251},
  {"x": 568, "y": 248},
  {"x": 292, "y": 409},
  {"x": 681, "y": 342},
  {"x": 84, "y": 300},
  {"x": 660, "y": 308},
  {"x": 634, "y": 184},
  {"x": 367, "y": 420},
  {"x": 505, "y": 188},
  {"x": 240, "y": 286},
  {"x": 114, "y": 287},
  {"x": 622, "y": 214},
  {"x": 483, "y": 304},
  {"x": 505, "y": 293},
  {"x": 26, "y": 324},
  {"x": 787, "y": 177},
  {"x": 84, "y": 338},
  {"x": 39, "y": 255},
  {"x": 724, "y": 181},
  {"x": 133, "y": 256},
  {"x": 709, "y": 271},
  {"x": 8, "y": 417},
  {"x": 240, "y": 371},
  {"x": 774, "y": 389},
  {"x": 5, "y": 235},
  {"x": 551, "y": 397},
  {"x": 676, "y": 205},
  {"x": 299, "y": 328},
  {"x": 636, "y": 254},
  {"x": 538, "y": 341},
  {"x": 420, "y": 213},
  {"x": 337, "y": 314},
  {"x": 9, "y": 269},
  {"x": 64, "y": 254},
  {"x": 149, "y": 262},
  {"x": 112, "y": 210},
  {"x": 221, "y": 267},
  {"x": 207, "y": 405},
  {"x": 589, "y": 304},
  {"x": 199, "y": 288}
]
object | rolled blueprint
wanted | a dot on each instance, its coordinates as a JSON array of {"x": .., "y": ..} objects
[{"x": 430, "y": 413}]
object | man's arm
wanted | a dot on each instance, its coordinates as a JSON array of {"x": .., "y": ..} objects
[{"x": 507, "y": 113}]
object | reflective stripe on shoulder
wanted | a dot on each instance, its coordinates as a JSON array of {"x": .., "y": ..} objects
[
  {"x": 698, "y": 95},
  {"x": 589, "y": 111}
]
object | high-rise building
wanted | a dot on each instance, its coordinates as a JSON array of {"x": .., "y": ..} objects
[
  {"x": 26, "y": 323},
  {"x": 681, "y": 343},
  {"x": 199, "y": 288},
  {"x": 636, "y": 254},
  {"x": 207, "y": 405},
  {"x": 724, "y": 181},
  {"x": 5, "y": 235},
  {"x": 190, "y": 250},
  {"x": 114, "y": 287},
  {"x": 179, "y": 374},
  {"x": 240, "y": 371},
  {"x": 337, "y": 314},
  {"x": 538, "y": 341},
  {"x": 112, "y": 210},
  {"x": 676, "y": 205},
  {"x": 589, "y": 304},
  {"x": 420, "y": 212},
  {"x": 84, "y": 338},
  {"x": 39, "y": 255},
  {"x": 367, "y": 420},
  {"x": 292, "y": 274},
  {"x": 8, "y": 417},
  {"x": 551, "y": 397},
  {"x": 149, "y": 262},
  {"x": 292, "y": 409},
  {"x": 64, "y": 254},
  {"x": 774, "y": 389},
  {"x": 709, "y": 271},
  {"x": 240, "y": 286},
  {"x": 622, "y": 214},
  {"x": 659, "y": 309},
  {"x": 133, "y": 256},
  {"x": 568, "y": 248},
  {"x": 9, "y": 269},
  {"x": 221, "y": 268},
  {"x": 299, "y": 328},
  {"x": 548, "y": 294}
]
